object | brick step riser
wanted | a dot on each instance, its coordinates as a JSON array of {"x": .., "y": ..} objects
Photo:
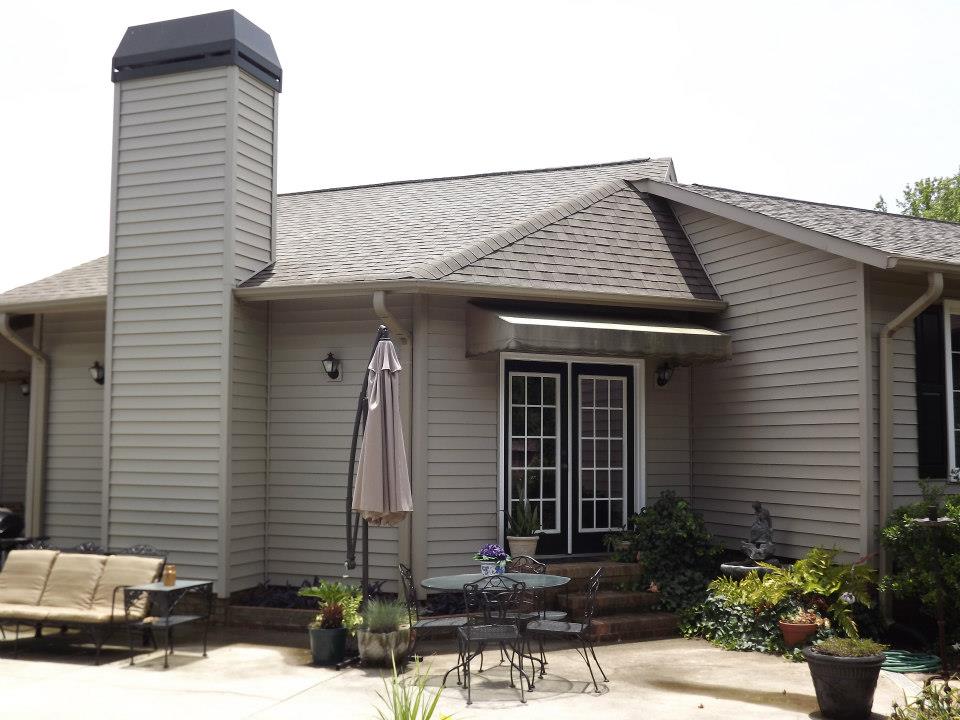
[
  {"x": 610, "y": 603},
  {"x": 635, "y": 626}
]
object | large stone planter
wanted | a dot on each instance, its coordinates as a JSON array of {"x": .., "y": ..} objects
[
  {"x": 522, "y": 545},
  {"x": 328, "y": 646},
  {"x": 844, "y": 685},
  {"x": 378, "y": 648}
]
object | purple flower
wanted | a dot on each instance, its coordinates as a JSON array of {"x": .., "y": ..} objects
[{"x": 491, "y": 553}]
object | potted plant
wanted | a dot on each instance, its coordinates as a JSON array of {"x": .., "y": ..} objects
[
  {"x": 523, "y": 527},
  {"x": 493, "y": 559},
  {"x": 385, "y": 637},
  {"x": 799, "y": 625},
  {"x": 339, "y": 606},
  {"x": 845, "y": 672}
]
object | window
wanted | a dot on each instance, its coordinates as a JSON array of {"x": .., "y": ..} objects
[{"x": 937, "y": 351}]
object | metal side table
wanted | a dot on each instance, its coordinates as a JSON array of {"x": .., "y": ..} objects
[{"x": 164, "y": 600}]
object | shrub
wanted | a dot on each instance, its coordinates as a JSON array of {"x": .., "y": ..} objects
[
  {"x": 936, "y": 701},
  {"x": 384, "y": 616},
  {"x": 926, "y": 561},
  {"x": 744, "y": 614},
  {"x": 677, "y": 552},
  {"x": 848, "y": 647},
  {"x": 524, "y": 521}
]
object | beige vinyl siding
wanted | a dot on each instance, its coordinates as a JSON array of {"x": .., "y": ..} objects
[
  {"x": 253, "y": 194},
  {"x": 311, "y": 424},
  {"x": 14, "y": 425},
  {"x": 462, "y": 402},
  {"x": 668, "y": 440},
  {"x": 248, "y": 440},
  {"x": 170, "y": 298},
  {"x": 74, "y": 476},
  {"x": 780, "y": 422}
]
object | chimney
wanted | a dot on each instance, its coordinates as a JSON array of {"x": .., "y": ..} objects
[{"x": 193, "y": 200}]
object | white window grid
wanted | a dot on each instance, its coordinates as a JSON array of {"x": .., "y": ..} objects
[{"x": 610, "y": 466}]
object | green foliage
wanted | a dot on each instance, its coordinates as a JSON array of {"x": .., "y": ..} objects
[
  {"x": 880, "y": 205},
  {"x": 671, "y": 541},
  {"x": 848, "y": 647},
  {"x": 384, "y": 616},
  {"x": 408, "y": 699},
  {"x": 935, "y": 198},
  {"x": 733, "y": 623},
  {"x": 936, "y": 701},
  {"x": 333, "y": 597},
  {"x": 525, "y": 519},
  {"x": 926, "y": 560},
  {"x": 931, "y": 492},
  {"x": 744, "y": 614}
]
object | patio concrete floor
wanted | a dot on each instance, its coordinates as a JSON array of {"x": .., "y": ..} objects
[{"x": 267, "y": 675}]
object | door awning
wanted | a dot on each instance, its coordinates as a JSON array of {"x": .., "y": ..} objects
[{"x": 490, "y": 331}]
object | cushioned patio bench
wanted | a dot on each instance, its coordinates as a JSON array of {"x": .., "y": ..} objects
[{"x": 74, "y": 589}]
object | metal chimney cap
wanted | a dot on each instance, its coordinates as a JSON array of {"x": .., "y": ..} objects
[{"x": 203, "y": 41}]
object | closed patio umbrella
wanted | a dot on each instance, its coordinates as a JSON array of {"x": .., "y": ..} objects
[{"x": 381, "y": 492}]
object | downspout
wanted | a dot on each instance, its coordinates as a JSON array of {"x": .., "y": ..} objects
[
  {"x": 403, "y": 336},
  {"x": 37, "y": 432},
  {"x": 930, "y": 296}
]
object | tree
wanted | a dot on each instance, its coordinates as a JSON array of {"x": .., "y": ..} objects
[
  {"x": 935, "y": 198},
  {"x": 880, "y": 205}
]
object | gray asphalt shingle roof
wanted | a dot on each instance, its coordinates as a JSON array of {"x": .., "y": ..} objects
[
  {"x": 83, "y": 282},
  {"x": 401, "y": 230},
  {"x": 899, "y": 235}
]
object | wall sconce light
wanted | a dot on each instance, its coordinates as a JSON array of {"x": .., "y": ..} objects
[
  {"x": 97, "y": 373},
  {"x": 663, "y": 374},
  {"x": 331, "y": 366},
  {"x": 25, "y": 388}
]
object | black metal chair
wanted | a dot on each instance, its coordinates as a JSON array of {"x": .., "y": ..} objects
[
  {"x": 498, "y": 602},
  {"x": 527, "y": 564},
  {"x": 420, "y": 625},
  {"x": 576, "y": 633}
]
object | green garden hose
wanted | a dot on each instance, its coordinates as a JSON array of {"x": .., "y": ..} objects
[{"x": 901, "y": 661}]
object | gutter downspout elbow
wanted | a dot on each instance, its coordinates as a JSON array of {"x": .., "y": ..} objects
[
  {"x": 931, "y": 295},
  {"x": 37, "y": 432},
  {"x": 398, "y": 331}
]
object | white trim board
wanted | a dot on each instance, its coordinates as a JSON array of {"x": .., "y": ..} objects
[{"x": 640, "y": 430}]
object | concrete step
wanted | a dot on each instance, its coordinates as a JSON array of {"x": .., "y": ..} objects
[
  {"x": 635, "y": 626},
  {"x": 609, "y": 602}
]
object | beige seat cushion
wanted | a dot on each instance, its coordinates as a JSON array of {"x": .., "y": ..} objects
[
  {"x": 25, "y": 575},
  {"x": 72, "y": 581},
  {"x": 28, "y": 613},
  {"x": 122, "y": 571},
  {"x": 73, "y": 615}
]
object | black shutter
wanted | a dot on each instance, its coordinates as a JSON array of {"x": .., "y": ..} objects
[{"x": 931, "y": 394}]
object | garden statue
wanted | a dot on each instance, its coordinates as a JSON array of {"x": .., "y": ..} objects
[{"x": 760, "y": 546}]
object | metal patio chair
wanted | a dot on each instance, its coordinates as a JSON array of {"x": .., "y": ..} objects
[
  {"x": 498, "y": 600},
  {"x": 578, "y": 634},
  {"x": 424, "y": 626}
]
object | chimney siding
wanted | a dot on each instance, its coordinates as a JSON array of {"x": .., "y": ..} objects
[{"x": 192, "y": 216}]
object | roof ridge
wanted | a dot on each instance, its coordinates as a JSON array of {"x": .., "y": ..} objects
[
  {"x": 461, "y": 257},
  {"x": 816, "y": 202},
  {"x": 416, "y": 181}
]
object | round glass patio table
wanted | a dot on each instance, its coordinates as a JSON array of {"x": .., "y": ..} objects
[{"x": 531, "y": 580}]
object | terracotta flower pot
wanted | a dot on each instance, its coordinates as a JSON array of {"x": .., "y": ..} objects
[{"x": 796, "y": 633}]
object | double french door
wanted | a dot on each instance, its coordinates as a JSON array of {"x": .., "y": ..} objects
[{"x": 569, "y": 449}]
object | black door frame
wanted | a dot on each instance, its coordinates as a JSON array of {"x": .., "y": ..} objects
[{"x": 566, "y": 542}]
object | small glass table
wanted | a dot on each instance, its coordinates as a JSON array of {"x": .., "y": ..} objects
[
  {"x": 451, "y": 583},
  {"x": 165, "y": 599}
]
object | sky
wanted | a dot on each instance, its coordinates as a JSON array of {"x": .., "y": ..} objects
[{"x": 832, "y": 101}]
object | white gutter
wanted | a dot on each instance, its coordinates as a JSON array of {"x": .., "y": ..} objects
[
  {"x": 405, "y": 340},
  {"x": 930, "y": 296},
  {"x": 37, "y": 433}
]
